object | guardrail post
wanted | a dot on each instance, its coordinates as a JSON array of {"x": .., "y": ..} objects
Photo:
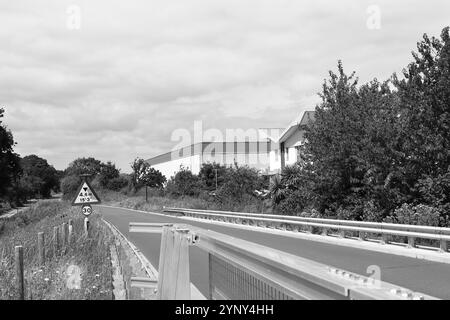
[
  {"x": 411, "y": 242},
  {"x": 166, "y": 282},
  {"x": 342, "y": 234},
  {"x": 362, "y": 235},
  {"x": 325, "y": 231},
  {"x": 384, "y": 238},
  {"x": 163, "y": 254},
  {"x": 443, "y": 246},
  {"x": 41, "y": 248},
  {"x": 183, "y": 284},
  {"x": 19, "y": 272}
]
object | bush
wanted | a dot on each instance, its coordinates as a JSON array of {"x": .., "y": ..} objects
[
  {"x": 117, "y": 184},
  {"x": 184, "y": 183},
  {"x": 69, "y": 186},
  {"x": 417, "y": 215}
]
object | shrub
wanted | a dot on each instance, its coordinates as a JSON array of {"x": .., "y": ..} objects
[
  {"x": 117, "y": 184},
  {"x": 417, "y": 215},
  {"x": 69, "y": 186},
  {"x": 184, "y": 183}
]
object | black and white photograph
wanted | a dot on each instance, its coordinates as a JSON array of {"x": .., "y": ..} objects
[{"x": 224, "y": 158}]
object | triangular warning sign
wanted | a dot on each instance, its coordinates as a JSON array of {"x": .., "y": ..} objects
[{"x": 85, "y": 195}]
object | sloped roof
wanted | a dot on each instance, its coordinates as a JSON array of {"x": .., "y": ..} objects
[{"x": 305, "y": 118}]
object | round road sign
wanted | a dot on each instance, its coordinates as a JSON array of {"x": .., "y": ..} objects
[{"x": 86, "y": 210}]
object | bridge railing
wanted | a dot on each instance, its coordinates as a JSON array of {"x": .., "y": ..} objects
[
  {"x": 242, "y": 270},
  {"x": 295, "y": 223}
]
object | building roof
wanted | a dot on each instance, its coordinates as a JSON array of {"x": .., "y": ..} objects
[{"x": 305, "y": 118}]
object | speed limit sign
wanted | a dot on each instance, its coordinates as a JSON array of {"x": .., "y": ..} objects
[{"x": 86, "y": 210}]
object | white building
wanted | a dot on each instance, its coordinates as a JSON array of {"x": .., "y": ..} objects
[
  {"x": 254, "y": 154},
  {"x": 274, "y": 149},
  {"x": 286, "y": 150}
]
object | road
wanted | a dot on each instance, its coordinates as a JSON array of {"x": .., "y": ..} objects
[{"x": 432, "y": 278}]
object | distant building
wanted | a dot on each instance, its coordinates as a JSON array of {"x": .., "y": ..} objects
[
  {"x": 254, "y": 154},
  {"x": 274, "y": 149},
  {"x": 287, "y": 144}
]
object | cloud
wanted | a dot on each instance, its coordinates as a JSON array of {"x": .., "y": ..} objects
[{"x": 138, "y": 70}]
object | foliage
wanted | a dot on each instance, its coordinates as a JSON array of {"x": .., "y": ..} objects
[
  {"x": 48, "y": 282},
  {"x": 417, "y": 215},
  {"x": 377, "y": 146},
  {"x": 69, "y": 186},
  {"x": 207, "y": 175},
  {"x": 9, "y": 163},
  {"x": 84, "y": 166},
  {"x": 108, "y": 172},
  {"x": 39, "y": 178},
  {"x": 184, "y": 183},
  {"x": 144, "y": 175}
]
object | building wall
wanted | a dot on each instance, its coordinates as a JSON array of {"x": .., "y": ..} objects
[
  {"x": 291, "y": 155},
  {"x": 170, "y": 168},
  {"x": 226, "y": 153}
]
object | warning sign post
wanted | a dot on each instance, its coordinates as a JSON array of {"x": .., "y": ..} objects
[{"x": 86, "y": 197}]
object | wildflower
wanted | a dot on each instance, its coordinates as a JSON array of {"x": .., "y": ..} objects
[
  {"x": 97, "y": 275},
  {"x": 94, "y": 287},
  {"x": 46, "y": 279}
]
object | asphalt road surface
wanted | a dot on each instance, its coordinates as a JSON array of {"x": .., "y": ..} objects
[{"x": 432, "y": 278}]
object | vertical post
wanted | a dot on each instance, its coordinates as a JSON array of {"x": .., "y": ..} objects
[
  {"x": 170, "y": 244},
  {"x": 55, "y": 240},
  {"x": 342, "y": 234},
  {"x": 19, "y": 272},
  {"x": 146, "y": 194},
  {"x": 41, "y": 248},
  {"x": 362, "y": 236},
  {"x": 162, "y": 258},
  {"x": 411, "y": 242},
  {"x": 444, "y": 246},
  {"x": 64, "y": 235},
  {"x": 183, "y": 282},
  {"x": 384, "y": 238},
  {"x": 70, "y": 235},
  {"x": 86, "y": 227}
]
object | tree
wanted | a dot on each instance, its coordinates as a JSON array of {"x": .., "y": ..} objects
[
  {"x": 184, "y": 183},
  {"x": 108, "y": 173},
  {"x": 353, "y": 156},
  {"x": 144, "y": 175},
  {"x": 208, "y": 174},
  {"x": 9, "y": 163},
  {"x": 84, "y": 166},
  {"x": 41, "y": 177},
  {"x": 424, "y": 95}
]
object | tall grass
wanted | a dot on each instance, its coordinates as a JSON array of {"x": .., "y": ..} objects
[
  {"x": 48, "y": 282},
  {"x": 156, "y": 203}
]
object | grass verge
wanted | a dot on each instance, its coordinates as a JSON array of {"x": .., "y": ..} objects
[{"x": 52, "y": 280}]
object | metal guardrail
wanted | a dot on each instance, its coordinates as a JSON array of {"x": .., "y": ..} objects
[
  {"x": 411, "y": 232},
  {"x": 242, "y": 270}
]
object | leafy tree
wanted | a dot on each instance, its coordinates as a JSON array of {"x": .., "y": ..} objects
[
  {"x": 84, "y": 166},
  {"x": 9, "y": 163},
  {"x": 69, "y": 186},
  {"x": 41, "y": 177},
  {"x": 144, "y": 175},
  {"x": 239, "y": 185},
  {"x": 207, "y": 175},
  {"x": 184, "y": 183},
  {"x": 108, "y": 173},
  {"x": 424, "y": 95}
]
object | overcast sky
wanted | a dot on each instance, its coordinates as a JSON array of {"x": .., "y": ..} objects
[{"x": 134, "y": 71}]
